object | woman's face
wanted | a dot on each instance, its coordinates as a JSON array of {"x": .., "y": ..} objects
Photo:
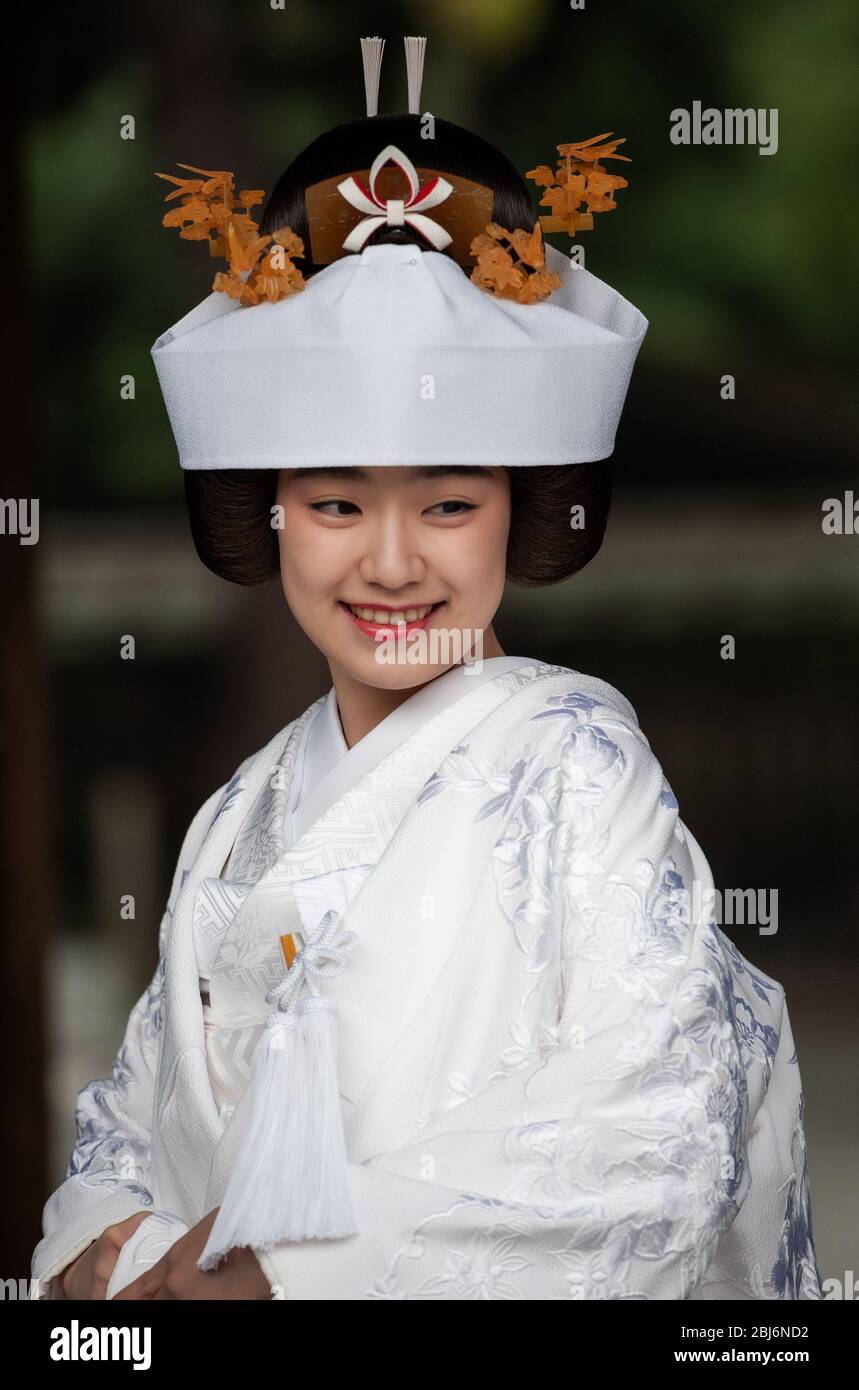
[{"x": 424, "y": 547}]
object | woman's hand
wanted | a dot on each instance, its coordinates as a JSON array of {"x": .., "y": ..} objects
[
  {"x": 88, "y": 1275},
  {"x": 176, "y": 1275}
]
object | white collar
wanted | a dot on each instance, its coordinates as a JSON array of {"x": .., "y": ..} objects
[
  {"x": 331, "y": 768},
  {"x": 325, "y": 745}
]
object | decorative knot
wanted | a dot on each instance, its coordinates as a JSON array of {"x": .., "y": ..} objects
[
  {"x": 321, "y": 958},
  {"x": 394, "y": 212}
]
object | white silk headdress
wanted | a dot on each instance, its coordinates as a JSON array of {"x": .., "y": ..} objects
[{"x": 391, "y": 354}]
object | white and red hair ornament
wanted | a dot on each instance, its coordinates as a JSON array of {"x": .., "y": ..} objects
[{"x": 396, "y": 212}]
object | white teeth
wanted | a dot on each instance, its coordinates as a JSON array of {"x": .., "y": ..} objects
[{"x": 386, "y": 615}]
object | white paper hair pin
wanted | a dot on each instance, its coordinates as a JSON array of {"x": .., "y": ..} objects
[
  {"x": 371, "y": 54},
  {"x": 415, "y": 50}
]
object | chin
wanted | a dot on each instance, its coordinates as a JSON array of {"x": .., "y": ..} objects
[{"x": 393, "y": 677}]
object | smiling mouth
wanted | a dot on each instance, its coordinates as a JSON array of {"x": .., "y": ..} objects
[{"x": 373, "y": 617}]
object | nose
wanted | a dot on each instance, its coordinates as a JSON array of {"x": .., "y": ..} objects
[{"x": 392, "y": 557}]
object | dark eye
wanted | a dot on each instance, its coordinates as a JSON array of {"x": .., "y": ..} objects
[
  {"x": 454, "y": 502},
  {"x": 336, "y": 502}
]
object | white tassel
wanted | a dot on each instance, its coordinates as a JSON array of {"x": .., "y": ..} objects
[
  {"x": 290, "y": 1177},
  {"x": 415, "y": 49},
  {"x": 371, "y": 55}
]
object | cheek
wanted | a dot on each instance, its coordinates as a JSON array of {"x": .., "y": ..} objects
[
  {"x": 299, "y": 576},
  {"x": 498, "y": 519},
  {"x": 489, "y": 551},
  {"x": 298, "y": 544},
  {"x": 473, "y": 560}
]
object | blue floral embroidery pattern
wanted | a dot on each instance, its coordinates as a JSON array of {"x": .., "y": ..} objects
[
  {"x": 795, "y": 1273},
  {"x": 113, "y": 1148},
  {"x": 232, "y": 791},
  {"x": 667, "y": 797},
  {"x": 699, "y": 1033}
]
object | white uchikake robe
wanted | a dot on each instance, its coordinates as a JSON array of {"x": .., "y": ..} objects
[{"x": 559, "y": 1078}]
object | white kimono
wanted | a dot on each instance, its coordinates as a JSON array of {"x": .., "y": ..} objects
[{"x": 557, "y": 1079}]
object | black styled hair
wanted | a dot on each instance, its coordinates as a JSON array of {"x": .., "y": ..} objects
[{"x": 230, "y": 509}]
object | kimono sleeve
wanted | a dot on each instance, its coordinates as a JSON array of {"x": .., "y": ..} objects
[
  {"x": 610, "y": 1167},
  {"x": 108, "y": 1174}
]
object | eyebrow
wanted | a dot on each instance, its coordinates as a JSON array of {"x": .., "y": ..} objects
[{"x": 429, "y": 470}]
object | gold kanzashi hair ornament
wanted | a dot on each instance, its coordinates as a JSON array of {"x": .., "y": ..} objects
[
  {"x": 579, "y": 186},
  {"x": 517, "y": 271},
  {"x": 211, "y": 210}
]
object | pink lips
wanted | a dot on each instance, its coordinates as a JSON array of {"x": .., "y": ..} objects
[{"x": 370, "y": 629}]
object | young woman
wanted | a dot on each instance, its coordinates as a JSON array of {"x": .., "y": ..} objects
[{"x": 441, "y": 1008}]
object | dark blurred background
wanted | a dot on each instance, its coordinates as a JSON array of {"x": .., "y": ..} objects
[{"x": 745, "y": 264}]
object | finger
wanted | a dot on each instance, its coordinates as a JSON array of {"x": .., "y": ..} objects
[
  {"x": 100, "y": 1279},
  {"x": 144, "y": 1286},
  {"x": 117, "y": 1234},
  {"x": 132, "y": 1290}
]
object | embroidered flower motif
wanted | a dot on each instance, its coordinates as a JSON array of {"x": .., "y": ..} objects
[
  {"x": 579, "y": 706},
  {"x": 667, "y": 797},
  {"x": 481, "y": 1267},
  {"x": 795, "y": 1273},
  {"x": 232, "y": 791}
]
